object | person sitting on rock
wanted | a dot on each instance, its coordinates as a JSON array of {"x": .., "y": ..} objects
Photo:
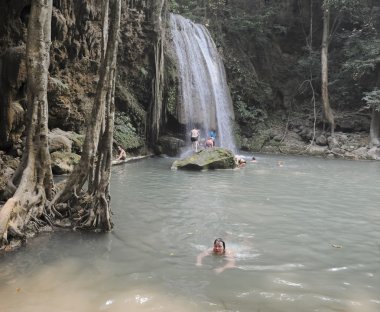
[{"x": 122, "y": 153}]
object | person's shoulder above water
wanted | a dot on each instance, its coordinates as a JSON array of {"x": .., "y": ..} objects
[
  {"x": 218, "y": 249},
  {"x": 240, "y": 160}
]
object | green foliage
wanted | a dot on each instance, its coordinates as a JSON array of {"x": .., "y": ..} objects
[
  {"x": 249, "y": 114},
  {"x": 216, "y": 7},
  {"x": 125, "y": 134},
  {"x": 342, "y": 5},
  {"x": 362, "y": 52},
  {"x": 372, "y": 99},
  {"x": 245, "y": 86},
  {"x": 310, "y": 62},
  {"x": 354, "y": 64},
  {"x": 187, "y": 8},
  {"x": 353, "y": 54},
  {"x": 255, "y": 24},
  {"x": 173, "y": 6}
]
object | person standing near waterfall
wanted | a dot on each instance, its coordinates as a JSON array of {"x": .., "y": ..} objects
[
  {"x": 195, "y": 133},
  {"x": 212, "y": 135}
]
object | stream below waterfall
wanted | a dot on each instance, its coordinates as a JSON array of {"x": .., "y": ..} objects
[{"x": 306, "y": 237}]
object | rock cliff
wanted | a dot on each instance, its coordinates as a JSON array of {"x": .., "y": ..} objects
[{"x": 263, "y": 45}]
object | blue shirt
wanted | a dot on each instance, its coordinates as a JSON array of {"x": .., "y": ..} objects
[{"x": 213, "y": 134}]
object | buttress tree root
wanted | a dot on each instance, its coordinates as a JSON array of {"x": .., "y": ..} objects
[
  {"x": 91, "y": 206},
  {"x": 33, "y": 181}
]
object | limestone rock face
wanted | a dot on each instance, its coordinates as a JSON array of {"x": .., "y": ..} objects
[
  {"x": 170, "y": 145},
  {"x": 58, "y": 142},
  {"x": 213, "y": 158},
  {"x": 74, "y": 141},
  {"x": 12, "y": 84}
]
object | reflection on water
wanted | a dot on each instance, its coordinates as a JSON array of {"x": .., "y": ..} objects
[{"x": 305, "y": 235}]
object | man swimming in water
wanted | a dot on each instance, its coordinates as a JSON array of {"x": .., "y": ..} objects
[{"x": 219, "y": 249}]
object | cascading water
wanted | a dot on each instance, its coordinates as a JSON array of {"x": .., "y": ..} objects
[{"x": 205, "y": 100}]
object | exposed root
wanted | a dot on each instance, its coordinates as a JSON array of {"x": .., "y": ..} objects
[
  {"x": 5, "y": 216},
  {"x": 37, "y": 221},
  {"x": 90, "y": 213},
  {"x": 14, "y": 231},
  {"x": 20, "y": 212}
]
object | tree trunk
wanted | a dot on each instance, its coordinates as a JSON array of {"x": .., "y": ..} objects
[
  {"x": 95, "y": 164},
  {"x": 157, "y": 107},
  {"x": 374, "y": 132},
  {"x": 33, "y": 177},
  {"x": 328, "y": 113}
]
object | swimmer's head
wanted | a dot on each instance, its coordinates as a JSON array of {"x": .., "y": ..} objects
[{"x": 219, "y": 246}]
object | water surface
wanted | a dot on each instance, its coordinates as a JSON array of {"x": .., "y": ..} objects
[{"x": 305, "y": 235}]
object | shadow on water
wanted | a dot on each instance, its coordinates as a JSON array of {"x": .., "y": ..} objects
[{"x": 305, "y": 237}]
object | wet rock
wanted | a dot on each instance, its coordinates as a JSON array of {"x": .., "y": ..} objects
[
  {"x": 321, "y": 140},
  {"x": 277, "y": 138},
  {"x": 352, "y": 156},
  {"x": 213, "y": 158},
  {"x": 332, "y": 142},
  {"x": 306, "y": 134},
  {"x": 374, "y": 153},
  {"x": 337, "y": 151},
  {"x": 316, "y": 150},
  {"x": 170, "y": 146}
]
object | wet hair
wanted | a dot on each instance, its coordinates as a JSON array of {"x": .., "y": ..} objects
[
  {"x": 219, "y": 240},
  {"x": 253, "y": 158}
]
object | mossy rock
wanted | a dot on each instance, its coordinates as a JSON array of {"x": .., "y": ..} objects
[
  {"x": 213, "y": 158},
  {"x": 63, "y": 162}
]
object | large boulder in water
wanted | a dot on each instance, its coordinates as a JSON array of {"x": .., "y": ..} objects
[
  {"x": 169, "y": 145},
  {"x": 212, "y": 158}
]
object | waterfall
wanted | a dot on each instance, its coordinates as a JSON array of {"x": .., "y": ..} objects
[{"x": 205, "y": 100}]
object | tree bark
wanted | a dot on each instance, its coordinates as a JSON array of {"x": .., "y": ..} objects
[
  {"x": 374, "y": 132},
  {"x": 95, "y": 164},
  {"x": 328, "y": 113},
  {"x": 157, "y": 107},
  {"x": 34, "y": 176}
]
